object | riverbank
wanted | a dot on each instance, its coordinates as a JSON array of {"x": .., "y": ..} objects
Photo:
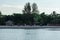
[{"x": 27, "y": 27}]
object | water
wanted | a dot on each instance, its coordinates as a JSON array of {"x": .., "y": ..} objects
[{"x": 30, "y": 34}]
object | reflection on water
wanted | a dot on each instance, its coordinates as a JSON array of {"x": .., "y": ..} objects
[
  {"x": 30, "y": 34},
  {"x": 54, "y": 29}
]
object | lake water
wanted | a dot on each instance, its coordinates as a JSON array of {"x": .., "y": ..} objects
[{"x": 30, "y": 34}]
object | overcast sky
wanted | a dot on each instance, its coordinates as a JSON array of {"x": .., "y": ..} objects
[{"x": 16, "y": 6}]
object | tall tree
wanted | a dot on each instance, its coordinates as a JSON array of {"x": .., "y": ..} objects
[
  {"x": 27, "y": 16},
  {"x": 27, "y": 8},
  {"x": 35, "y": 8},
  {"x": 35, "y": 13}
]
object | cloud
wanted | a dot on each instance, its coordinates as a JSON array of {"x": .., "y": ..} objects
[
  {"x": 14, "y": 6},
  {"x": 10, "y": 9},
  {"x": 49, "y": 10}
]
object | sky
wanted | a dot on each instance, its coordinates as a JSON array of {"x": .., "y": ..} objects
[{"x": 8, "y": 7}]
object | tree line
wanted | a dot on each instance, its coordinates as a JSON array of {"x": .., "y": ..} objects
[{"x": 31, "y": 16}]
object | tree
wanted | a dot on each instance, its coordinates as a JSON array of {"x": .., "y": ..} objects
[
  {"x": 54, "y": 14},
  {"x": 35, "y": 18},
  {"x": 27, "y": 8},
  {"x": 43, "y": 19},
  {"x": 27, "y": 16},
  {"x": 17, "y": 18},
  {"x": 35, "y": 8},
  {"x": 1, "y": 18},
  {"x": 54, "y": 18},
  {"x": 35, "y": 13}
]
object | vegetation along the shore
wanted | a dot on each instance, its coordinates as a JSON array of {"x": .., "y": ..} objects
[{"x": 30, "y": 16}]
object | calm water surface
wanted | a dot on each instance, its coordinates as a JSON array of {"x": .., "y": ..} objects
[{"x": 30, "y": 34}]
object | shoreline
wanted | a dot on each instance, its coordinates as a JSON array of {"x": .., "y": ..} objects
[{"x": 27, "y": 27}]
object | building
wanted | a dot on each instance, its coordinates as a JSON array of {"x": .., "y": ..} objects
[{"x": 9, "y": 23}]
